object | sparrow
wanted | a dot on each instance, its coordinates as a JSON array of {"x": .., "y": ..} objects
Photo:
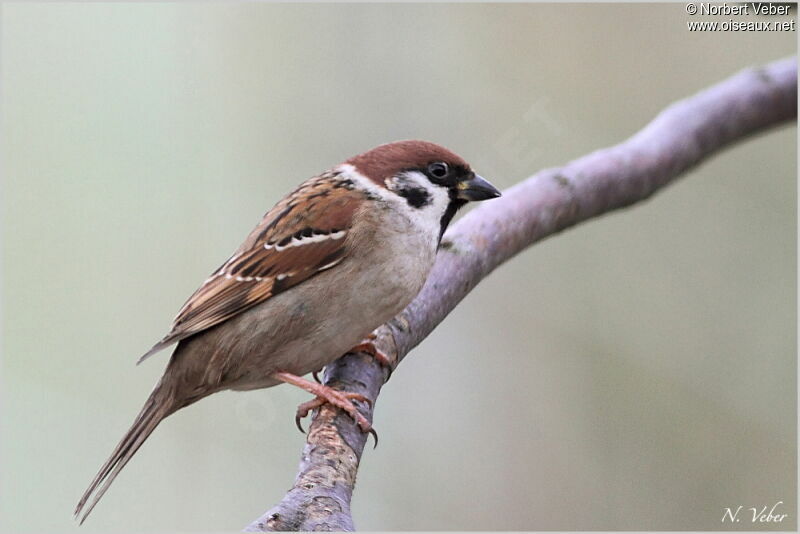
[{"x": 342, "y": 254}]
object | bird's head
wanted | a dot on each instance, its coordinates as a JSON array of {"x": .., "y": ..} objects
[{"x": 433, "y": 181}]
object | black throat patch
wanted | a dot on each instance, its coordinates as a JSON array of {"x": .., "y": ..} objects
[{"x": 453, "y": 207}]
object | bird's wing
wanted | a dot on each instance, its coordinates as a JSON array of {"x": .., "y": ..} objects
[{"x": 304, "y": 234}]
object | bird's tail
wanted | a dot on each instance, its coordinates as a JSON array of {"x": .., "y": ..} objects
[{"x": 158, "y": 406}]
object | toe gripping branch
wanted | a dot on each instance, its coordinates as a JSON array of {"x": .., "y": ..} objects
[
  {"x": 342, "y": 400},
  {"x": 368, "y": 346}
]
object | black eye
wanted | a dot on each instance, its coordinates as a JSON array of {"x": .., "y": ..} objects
[{"x": 438, "y": 169}]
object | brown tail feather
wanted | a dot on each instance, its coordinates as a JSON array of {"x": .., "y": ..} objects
[{"x": 158, "y": 406}]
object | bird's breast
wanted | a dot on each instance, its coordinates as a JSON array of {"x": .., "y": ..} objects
[{"x": 315, "y": 322}]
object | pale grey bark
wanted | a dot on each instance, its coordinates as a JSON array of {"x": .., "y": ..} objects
[{"x": 679, "y": 138}]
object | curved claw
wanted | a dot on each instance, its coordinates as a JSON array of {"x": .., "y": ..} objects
[
  {"x": 315, "y": 374},
  {"x": 375, "y": 437},
  {"x": 360, "y": 397},
  {"x": 342, "y": 400}
]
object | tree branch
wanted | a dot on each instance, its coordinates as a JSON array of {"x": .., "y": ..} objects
[{"x": 554, "y": 199}]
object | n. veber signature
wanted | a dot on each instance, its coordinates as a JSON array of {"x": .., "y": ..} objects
[{"x": 754, "y": 514}]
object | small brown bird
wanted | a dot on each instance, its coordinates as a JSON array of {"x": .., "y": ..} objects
[{"x": 332, "y": 261}]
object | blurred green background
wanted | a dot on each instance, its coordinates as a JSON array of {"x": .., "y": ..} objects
[{"x": 637, "y": 372}]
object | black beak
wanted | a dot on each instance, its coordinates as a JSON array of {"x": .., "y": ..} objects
[{"x": 476, "y": 188}]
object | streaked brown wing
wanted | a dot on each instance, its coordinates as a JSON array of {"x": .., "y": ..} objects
[{"x": 304, "y": 234}]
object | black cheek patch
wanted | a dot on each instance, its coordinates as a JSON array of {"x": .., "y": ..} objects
[{"x": 415, "y": 196}]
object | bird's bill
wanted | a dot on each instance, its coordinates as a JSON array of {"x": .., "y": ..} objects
[{"x": 476, "y": 188}]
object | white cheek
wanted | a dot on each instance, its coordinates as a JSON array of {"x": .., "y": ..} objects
[
  {"x": 441, "y": 199},
  {"x": 430, "y": 215},
  {"x": 427, "y": 218}
]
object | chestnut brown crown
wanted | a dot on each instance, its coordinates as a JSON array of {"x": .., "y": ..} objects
[
  {"x": 386, "y": 161},
  {"x": 441, "y": 166}
]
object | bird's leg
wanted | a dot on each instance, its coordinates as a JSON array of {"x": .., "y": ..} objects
[
  {"x": 326, "y": 395},
  {"x": 368, "y": 346}
]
